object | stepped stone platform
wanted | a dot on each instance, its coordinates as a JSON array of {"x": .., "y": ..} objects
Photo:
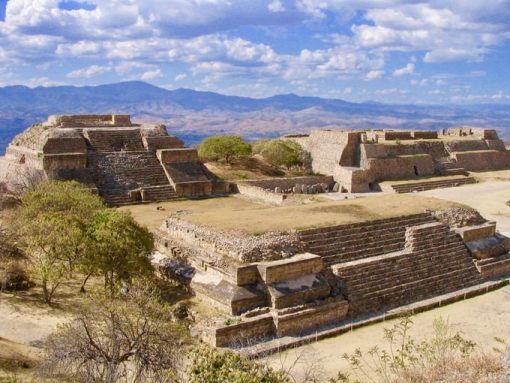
[
  {"x": 287, "y": 286},
  {"x": 436, "y": 184},
  {"x": 358, "y": 160},
  {"x": 124, "y": 162}
]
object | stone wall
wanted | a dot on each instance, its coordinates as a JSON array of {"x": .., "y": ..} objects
[
  {"x": 235, "y": 245},
  {"x": 465, "y": 145},
  {"x": 424, "y": 134},
  {"x": 90, "y": 120},
  {"x": 193, "y": 188},
  {"x": 289, "y": 183},
  {"x": 177, "y": 155},
  {"x": 65, "y": 145},
  {"x": 162, "y": 142},
  {"x": 258, "y": 194},
  {"x": 397, "y": 135},
  {"x": 400, "y": 167},
  {"x": 247, "y": 332},
  {"x": 313, "y": 317},
  {"x": 483, "y": 160},
  {"x": 53, "y": 162}
]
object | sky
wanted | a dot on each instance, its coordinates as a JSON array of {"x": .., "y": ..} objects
[{"x": 392, "y": 51}]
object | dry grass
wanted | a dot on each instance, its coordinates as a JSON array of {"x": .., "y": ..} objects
[{"x": 231, "y": 213}]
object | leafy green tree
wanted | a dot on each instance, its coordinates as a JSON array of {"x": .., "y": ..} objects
[
  {"x": 223, "y": 147},
  {"x": 52, "y": 223},
  {"x": 69, "y": 197},
  {"x": 48, "y": 241},
  {"x": 211, "y": 365},
  {"x": 281, "y": 152},
  {"x": 118, "y": 248}
]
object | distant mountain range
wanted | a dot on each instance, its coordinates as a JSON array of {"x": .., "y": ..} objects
[{"x": 193, "y": 115}]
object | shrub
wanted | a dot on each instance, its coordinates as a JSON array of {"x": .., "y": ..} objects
[
  {"x": 280, "y": 152},
  {"x": 445, "y": 357},
  {"x": 131, "y": 338},
  {"x": 211, "y": 365},
  {"x": 223, "y": 147}
]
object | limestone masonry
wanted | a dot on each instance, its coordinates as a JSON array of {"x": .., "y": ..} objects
[
  {"x": 286, "y": 286},
  {"x": 358, "y": 160},
  {"x": 124, "y": 162}
]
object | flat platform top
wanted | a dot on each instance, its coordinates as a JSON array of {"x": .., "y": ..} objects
[{"x": 232, "y": 213}]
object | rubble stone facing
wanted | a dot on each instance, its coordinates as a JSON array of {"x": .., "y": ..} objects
[{"x": 234, "y": 245}]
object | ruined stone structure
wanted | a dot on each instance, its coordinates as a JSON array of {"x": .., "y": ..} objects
[
  {"x": 124, "y": 162},
  {"x": 293, "y": 284},
  {"x": 358, "y": 160}
]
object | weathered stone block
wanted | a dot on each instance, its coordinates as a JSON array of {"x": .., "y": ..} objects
[{"x": 289, "y": 268}]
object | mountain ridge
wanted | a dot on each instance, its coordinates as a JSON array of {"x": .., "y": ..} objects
[{"x": 195, "y": 114}]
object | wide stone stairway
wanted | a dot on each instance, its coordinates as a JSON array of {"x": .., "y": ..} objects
[
  {"x": 428, "y": 185},
  {"x": 389, "y": 263},
  {"x": 346, "y": 243},
  {"x": 118, "y": 173},
  {"x": 114, "y": 140}
]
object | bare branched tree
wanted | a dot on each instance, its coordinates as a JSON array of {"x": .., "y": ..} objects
[{"x": 131, "y": 339}]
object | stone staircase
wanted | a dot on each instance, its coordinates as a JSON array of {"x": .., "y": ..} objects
[
  {"x": 113, "y": 140},
  {"x": 428, "y": 185},
  {"x": 435, "y": 261},
  {"x": 360, "y": 240},
  {"x": 119, "y": 173},
  {"x": 451, "y": 168}
]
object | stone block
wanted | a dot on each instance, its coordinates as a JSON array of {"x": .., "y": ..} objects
[
  {"x": 289, "y": 268},
  {"x": 471, "y": 233},
  {"x": 246, "y": 332},
  {"x": 296, "y": 291},
  {"x": 311, "y": 318}
]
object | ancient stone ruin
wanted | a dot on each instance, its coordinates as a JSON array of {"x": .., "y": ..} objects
[
  {"x": 359, "y": 160},
  {"x": 122, "y": 161},
  {"x": 295, "y": 286}
]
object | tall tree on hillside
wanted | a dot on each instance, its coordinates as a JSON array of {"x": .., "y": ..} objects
[{"x": 223, "y": 147}]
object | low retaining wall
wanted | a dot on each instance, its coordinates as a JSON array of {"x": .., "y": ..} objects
[
  {"x": 289, "y": 183},
  {"x": 483, "y": 160},
  {"x": 257, "y": 193},
  {"x": 240, "y": 334},
  {"x": 298, "y": 322}
]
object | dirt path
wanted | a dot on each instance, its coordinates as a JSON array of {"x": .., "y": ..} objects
[
  {"x": 26, "y": 324},
  {"x": 489, "y": 198},
  {"x": 479, "y": 319}
]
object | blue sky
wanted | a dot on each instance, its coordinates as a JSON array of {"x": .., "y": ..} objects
[{"x": 440, "y": 51}]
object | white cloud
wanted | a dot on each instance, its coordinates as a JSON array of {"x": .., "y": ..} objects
[
  {"x": 276, "y": 6},
  {"x": 88, "y": 72},
  {"x": 408, "y": 69},
  {"x": 181, "y": 76},
  {"x": 374, "y": 74},
  {"x": 151, "y": 74}
]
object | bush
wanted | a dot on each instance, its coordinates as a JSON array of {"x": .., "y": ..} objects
[
  {"x": 130, "y": 338},
  {"x": 280, "y": 152},
  {"x": 223, "y": 147},
  {"x": 211, "y": 365},
  {"x": 445, "y": 357}
]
